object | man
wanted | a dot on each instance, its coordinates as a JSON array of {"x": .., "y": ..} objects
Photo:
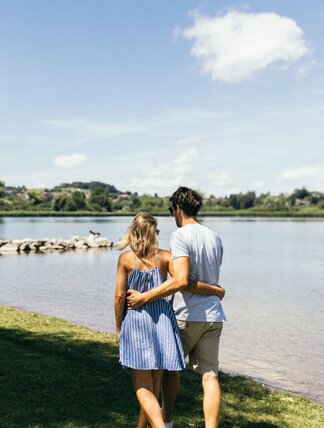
[{"x": 197, "y": 255}]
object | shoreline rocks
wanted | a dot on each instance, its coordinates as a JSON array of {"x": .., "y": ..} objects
[{"x": 45, "y": 244}]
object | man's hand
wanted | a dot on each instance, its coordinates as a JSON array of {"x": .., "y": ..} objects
[
  {"x": 135, "y": 299},
  {"x": 117, "y": 336}
]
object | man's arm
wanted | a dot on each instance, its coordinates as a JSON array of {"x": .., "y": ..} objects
[
  {"x": 197, "y": 287},
  {"x": 179, "y": 281}
]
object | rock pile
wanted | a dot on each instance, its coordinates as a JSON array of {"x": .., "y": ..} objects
[{"x": 46, "y": 244}]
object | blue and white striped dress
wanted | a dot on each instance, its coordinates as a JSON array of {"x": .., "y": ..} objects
[{"x": 149, "y": 336}]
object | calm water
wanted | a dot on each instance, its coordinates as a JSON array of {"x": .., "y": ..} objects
[{"x": 273, "y": 272}]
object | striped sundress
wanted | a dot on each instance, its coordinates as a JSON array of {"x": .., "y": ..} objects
[{"x": 149, "y": 336}]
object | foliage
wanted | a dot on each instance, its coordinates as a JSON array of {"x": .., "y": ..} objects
[
  {"x": 79, "y": 200},
  {"x": 87, "y": 186},
  {"x": 96, "y": 196},
  {"x": 99, "y": 199},
  {"x": 2, "y": 189}
]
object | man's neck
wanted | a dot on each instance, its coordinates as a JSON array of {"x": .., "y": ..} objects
[{"x": 189, "y": 220}]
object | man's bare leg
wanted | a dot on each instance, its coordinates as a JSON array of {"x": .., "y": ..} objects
[
  {"x": 170, "y": 389},
  {"x": 212, "y": 400}
]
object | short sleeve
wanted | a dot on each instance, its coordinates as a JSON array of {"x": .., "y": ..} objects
[
  {"x": 178, "y": 245},
  {"x": 221, "y": 252}
]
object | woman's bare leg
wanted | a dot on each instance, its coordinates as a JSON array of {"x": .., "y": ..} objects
[
  {"x": 143, "y": 422},
  {"x": 144, "y": 382}
]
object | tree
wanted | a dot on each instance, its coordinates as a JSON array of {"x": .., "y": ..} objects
[
  {"x": 100, "y": 198},
  {"x": 2, "y": 189},
  {"x": 35, "y": 198},
  {"x": 278, "y": 202},
  {"x": 151, "y": 203},
  {"x": 242, "y": 200},
  {"x": 63, "y": 202},
  {"x": 247, "y": 200},
  {"x": 79, "y": 200}
]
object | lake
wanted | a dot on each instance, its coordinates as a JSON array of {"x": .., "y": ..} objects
[{"x": 273, "y": 273}]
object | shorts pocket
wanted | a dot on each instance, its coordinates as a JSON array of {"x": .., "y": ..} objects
[{"x": 182, "y": 325}]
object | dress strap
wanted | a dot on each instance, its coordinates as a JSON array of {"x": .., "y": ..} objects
[{"x": 158, "y": 258}]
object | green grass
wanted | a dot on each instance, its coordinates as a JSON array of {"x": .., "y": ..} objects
[
  {"x": 57, "y": 374},
  {"x": 295, "y": 213}
]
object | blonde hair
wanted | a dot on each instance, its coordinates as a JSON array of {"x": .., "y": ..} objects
[{"x": 141, "y": 236}]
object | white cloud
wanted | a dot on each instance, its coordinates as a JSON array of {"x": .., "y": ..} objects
[
  {"x": 88, "y": 129},
  {"x": 304, "y": 69},
  {"x": 70, "y": 161},
  {"x": 189, "y": 140},
  {"x": 237, "y": 45},
  {"x": 302, "y": 172},
  {"x": 311, "y": 177},
  {"x": 185, "y": 158},
  {"x": 164, "y": 177},
  {"x": 219, "y": 183},
  {"x": 5, "y": 138}
]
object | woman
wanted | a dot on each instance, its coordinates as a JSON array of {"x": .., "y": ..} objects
[{"x": 148, "y": 337}]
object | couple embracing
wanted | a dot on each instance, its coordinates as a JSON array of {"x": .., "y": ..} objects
[{"x": 156, "y": 334}]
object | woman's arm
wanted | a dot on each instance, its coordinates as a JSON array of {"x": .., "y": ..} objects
[
  {"x": 197, "y": 287},
  {"x": 120, "y": 293}
]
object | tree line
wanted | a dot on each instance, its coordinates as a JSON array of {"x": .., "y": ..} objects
[{"x": 96, "y": 196}]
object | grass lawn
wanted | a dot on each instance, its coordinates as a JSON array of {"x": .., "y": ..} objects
[
  {"x": 57, "y": 374},
  {"x": 305, "y": 212}
]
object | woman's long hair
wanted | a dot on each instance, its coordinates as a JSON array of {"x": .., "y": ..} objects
[{"x": 141, "y": 236}]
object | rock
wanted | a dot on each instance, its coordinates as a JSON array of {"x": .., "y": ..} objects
[
  {"x": 68, "y": 243},
  {"x": 24, "y": 246},
  {"x": 57, "y": 247},
  {"x": 46, "y": 247},
  {"x": 103, "y": 242},
  {"x": 78, "y": 244},
  {"x": 9, "y": 247},
  {"x": 91, "y": 243},
  {"x": 17, "y": 242},
  {"x": 46, "y": 244}
]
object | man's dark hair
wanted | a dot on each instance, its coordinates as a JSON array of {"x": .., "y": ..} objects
[{"x": 188, "y": 200}]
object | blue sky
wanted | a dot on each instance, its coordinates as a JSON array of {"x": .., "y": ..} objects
[{"x": 223, "y": 96}]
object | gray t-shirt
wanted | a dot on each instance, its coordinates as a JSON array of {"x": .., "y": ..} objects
[{"x": 205, "y": 251}]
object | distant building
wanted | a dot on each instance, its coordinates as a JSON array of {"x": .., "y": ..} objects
[{"x": 302, "y": 202}]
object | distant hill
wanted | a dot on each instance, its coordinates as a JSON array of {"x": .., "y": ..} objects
[
  {"x": 99, "y": 197},
  {"x": 88, "y": 186}
]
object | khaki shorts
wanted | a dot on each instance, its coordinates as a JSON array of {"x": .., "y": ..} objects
[{"x": 200, "y": 341}]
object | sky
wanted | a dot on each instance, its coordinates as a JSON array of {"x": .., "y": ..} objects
[{"x": 221, "y": 96}]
